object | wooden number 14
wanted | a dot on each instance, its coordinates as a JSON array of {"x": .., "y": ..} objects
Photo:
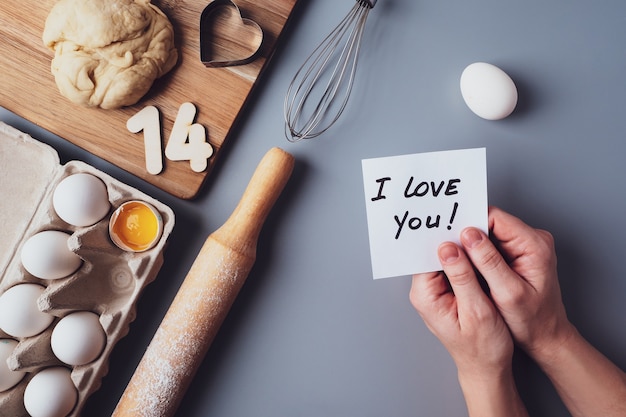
[{"x": 187, "y": 140}]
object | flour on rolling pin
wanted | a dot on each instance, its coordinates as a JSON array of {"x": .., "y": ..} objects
[
  {"x": 171, "y": 355},
  {"x": 204, "y": 298}
]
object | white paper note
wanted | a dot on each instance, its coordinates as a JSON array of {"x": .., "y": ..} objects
[{"x": 416, "y": 202}]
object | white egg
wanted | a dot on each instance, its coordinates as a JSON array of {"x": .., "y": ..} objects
[
  {"x": 50, "y": 393},
  {"x": 488, "y": 91},
  {"x": 19, "y": 314},
  {"x": 47, "y": 256},
  {"x": 8, "y": 378},
  {"x": 78, "y": 338},
  {"x": 81, "y": 199}
]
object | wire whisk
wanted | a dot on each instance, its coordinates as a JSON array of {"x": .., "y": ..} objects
[{"x": 319, "y": 92}]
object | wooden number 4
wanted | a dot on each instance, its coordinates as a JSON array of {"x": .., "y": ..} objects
[
  {"x": 196, "y": 150},
  {"x": 187, "y": 140}
]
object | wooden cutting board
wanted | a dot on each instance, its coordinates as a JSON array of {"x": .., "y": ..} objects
[{"x": 27, "y": 87}]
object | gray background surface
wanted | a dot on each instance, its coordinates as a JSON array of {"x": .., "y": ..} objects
[{"x": 311, "y": 333}]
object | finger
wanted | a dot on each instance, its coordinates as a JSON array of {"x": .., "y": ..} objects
[
  {"x": 512, "y": 234},
  {"x": 498, "y": 216},
  {"x": 518, "y": 241},
  {"x": 502, "y": 280},
  {"x": 483, "y": 253},
  {"x": 432, "y": 297},
  {"x": 427, "y": 290},
  {"x": 505, "y": 222},
  {"x": 461, "y": 275}
]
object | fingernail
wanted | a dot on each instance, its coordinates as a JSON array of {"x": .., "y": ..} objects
[
  {"x": 471, "y": 237},
  {"x": 448, "y": 253}
]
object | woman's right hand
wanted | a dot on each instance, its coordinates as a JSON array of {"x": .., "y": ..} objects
[{"x": 519, "y": 265}]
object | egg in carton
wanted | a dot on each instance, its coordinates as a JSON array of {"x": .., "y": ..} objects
[{"x": 106, "y": 283}]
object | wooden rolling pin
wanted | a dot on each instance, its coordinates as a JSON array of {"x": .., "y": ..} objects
[{"x": 204, "y": 298}]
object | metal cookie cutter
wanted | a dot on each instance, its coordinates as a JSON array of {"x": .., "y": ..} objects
[{"x": 227, "y": 38}]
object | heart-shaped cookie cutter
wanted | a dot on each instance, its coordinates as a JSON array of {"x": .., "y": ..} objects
[{"x": 226, "y": 37}]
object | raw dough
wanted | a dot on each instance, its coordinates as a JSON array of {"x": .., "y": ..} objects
[{"x": 108, "y": 52}]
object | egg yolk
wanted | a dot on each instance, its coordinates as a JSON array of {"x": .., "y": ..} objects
[{"x": 137, "y": 226}]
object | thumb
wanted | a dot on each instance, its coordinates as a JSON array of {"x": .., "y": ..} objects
[
  {"x": 461, "y": 275},
  {"x": 502, "y": 280}
]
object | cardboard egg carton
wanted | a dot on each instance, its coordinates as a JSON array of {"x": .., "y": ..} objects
[{"x": 109, "y": 281}]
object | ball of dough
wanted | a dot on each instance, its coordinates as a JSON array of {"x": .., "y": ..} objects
[{"x": 107, "y": 53}]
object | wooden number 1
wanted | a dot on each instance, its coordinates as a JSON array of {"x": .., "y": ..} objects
[
  {"x": 187, "y": 140},
  {"x": 148, "y": 121}
]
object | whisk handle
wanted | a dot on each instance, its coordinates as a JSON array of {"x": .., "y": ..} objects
[{"x": 369, "y": 3}]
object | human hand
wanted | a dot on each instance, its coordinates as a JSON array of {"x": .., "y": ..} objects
[
  {"x": 460, "y": 314},
  {"x": 519, "y": 265}
]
